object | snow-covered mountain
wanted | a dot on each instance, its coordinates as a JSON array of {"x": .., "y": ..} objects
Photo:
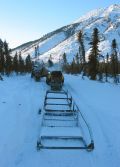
[{"x": 55, "y": 43}]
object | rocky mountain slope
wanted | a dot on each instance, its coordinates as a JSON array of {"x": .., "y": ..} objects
[{"x": 64, "y": 39}]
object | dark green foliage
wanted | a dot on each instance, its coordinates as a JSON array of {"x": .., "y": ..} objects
[
  {"x": 21, "y": 64},
  {"x": 114, "y": 61},
  {"x": 93, "y": 57},
  {"x": 81, "y": 48},
  {"x": 106, "y": 67},
  {"x": 9, "y": 64},
  {"x": 82, "y": 61},
  {"x": 8, "y": 61},
  {"x": 65, "y": 64},
  {"x": 28, "y": 64},
  {"x": 95, "y": 69},
  {"x": 74, "y": 67},
  {"x": 64, "y": 59},
  {"x": 16, "y": 63},
  {"x": 2, "y": 58}
]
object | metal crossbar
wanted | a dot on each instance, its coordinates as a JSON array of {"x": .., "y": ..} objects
[
  {"x": 53, "y": 126},
  {"x": 62, "y": 137},
  {"x": 72, "y": 111},
  {"x": 59, "y": 113},
  {"x": 57, "y": 92},
  {"x": 62, "y": 148},
  {"x": 59, "y": 98},
  {"x": 50, "y": 110},
  {"x": 55, "y": 104},
  {"x": 59, "y": 119}
]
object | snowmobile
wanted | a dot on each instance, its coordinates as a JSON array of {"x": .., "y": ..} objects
[
  {"x": 38, "y": 71},
  {"x": 55, "y": 79}
]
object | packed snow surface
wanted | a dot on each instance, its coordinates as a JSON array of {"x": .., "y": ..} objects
[{"x": 20, "y": 99}]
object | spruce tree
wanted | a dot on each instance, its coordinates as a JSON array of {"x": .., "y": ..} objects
[
  {"x": 82, "y": 66},
  {"x": 81, "y": 48},
  {"x": 64, "y": 59},
  {"x": 93, "y": 57},
  {"x": 2, "y": 58},
  {"x": 28, "y": 64},
  {"x": 65, "y": 64},
  {"x": 16, "y": 63},
  {"x": 114, "y": 61},
  {"x": 21, "y": 64},
  {"x": 8, "y": 61},
  {"x": 107, "y": 67}
]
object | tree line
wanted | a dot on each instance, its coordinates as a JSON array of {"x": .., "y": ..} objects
[
  {"x": 98, "y": 66},
  {"x": 9, "y": 64}
]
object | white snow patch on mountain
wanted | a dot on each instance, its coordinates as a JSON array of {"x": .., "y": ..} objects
[{"x": 107, "y": 20}]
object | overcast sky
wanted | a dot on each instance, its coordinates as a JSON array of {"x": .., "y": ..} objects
[{"x": 25, "y": 20}]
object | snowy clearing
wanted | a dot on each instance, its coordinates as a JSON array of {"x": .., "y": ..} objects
[{"x": 20, "y": 99}]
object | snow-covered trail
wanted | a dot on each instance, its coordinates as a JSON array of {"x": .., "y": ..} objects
[
  {"x": 20, "y": 99},
  {"x": 19, "y": 127},
  {"x": 100, "y": 105}
]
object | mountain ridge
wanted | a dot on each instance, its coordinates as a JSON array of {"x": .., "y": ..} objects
[{"x": 64, "y": 39}]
